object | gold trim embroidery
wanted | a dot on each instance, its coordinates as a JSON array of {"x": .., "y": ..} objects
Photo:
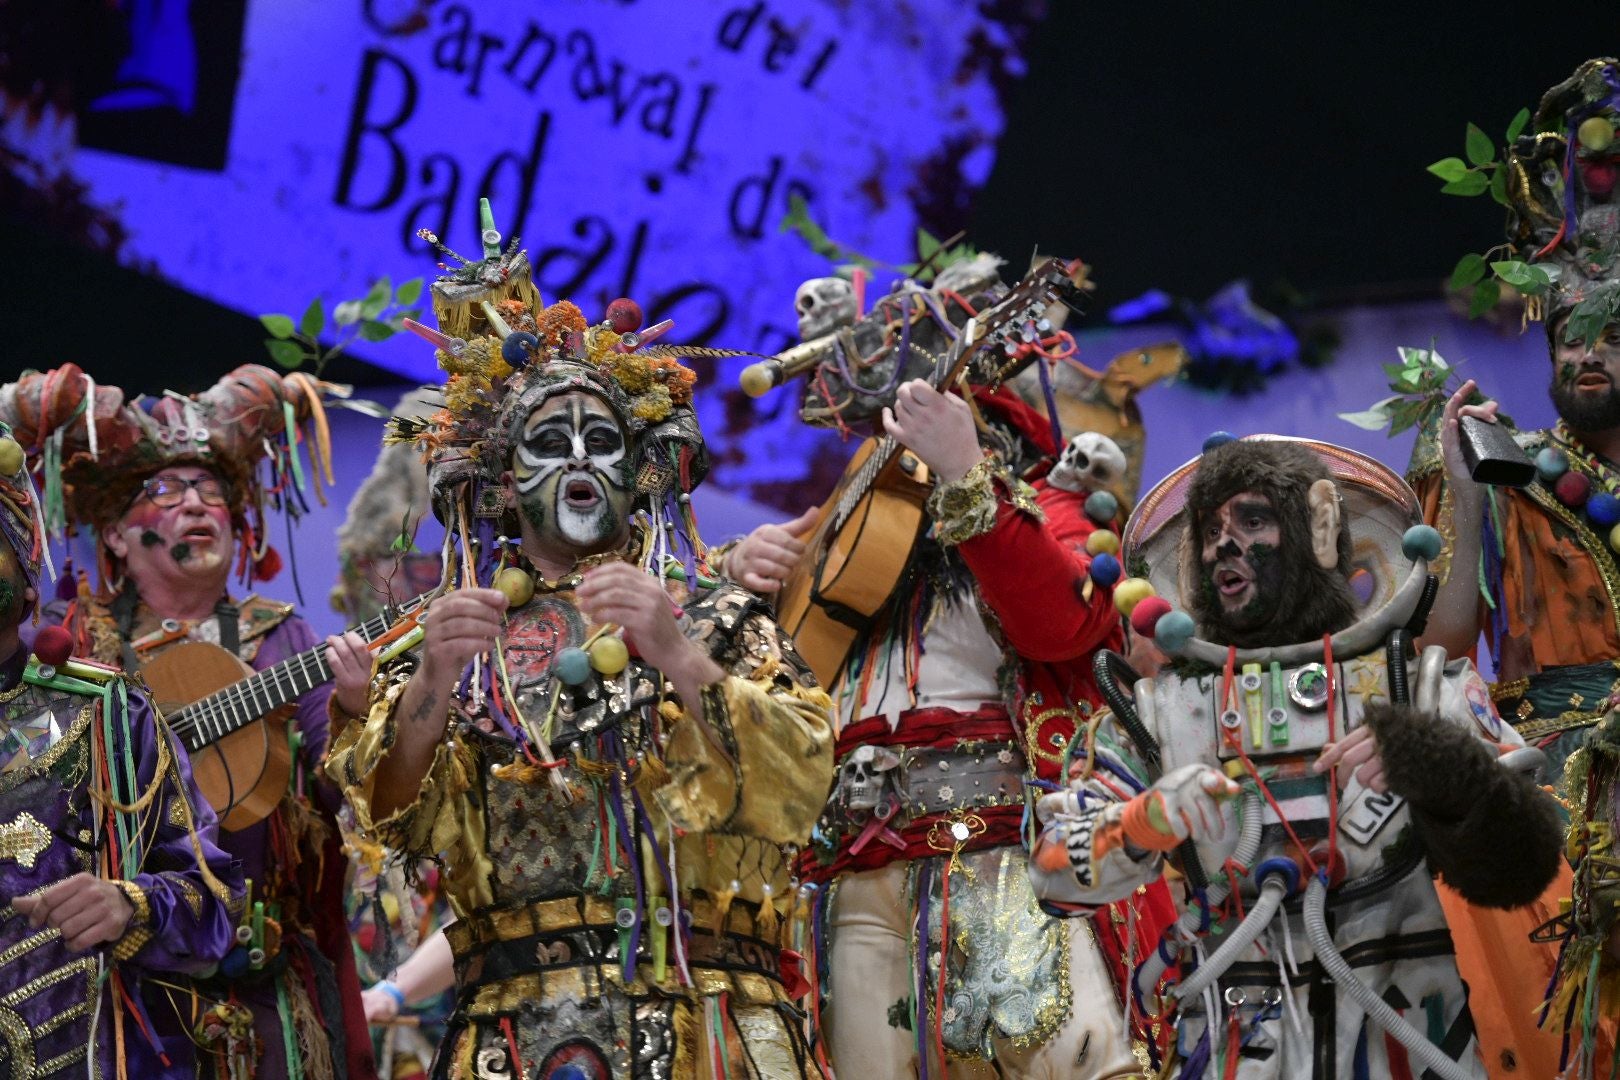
[
  {"x": 85, "y": 967},
  {"x": 28, "y": 944},
  {"x": 69, "y": 740},
  {"x": 1596, "y": 548},
  {"x": 23, "y": 840}
]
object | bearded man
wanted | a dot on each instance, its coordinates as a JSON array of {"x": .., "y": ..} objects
[
  {"x": 109, "y": 863},
  {"x": 174, "y": 498},
  {"x": 617, "y": 825},
  {"x": 1292, "y": 747}
]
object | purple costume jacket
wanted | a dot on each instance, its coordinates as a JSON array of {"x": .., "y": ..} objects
[{"x": 51, "y": 829}]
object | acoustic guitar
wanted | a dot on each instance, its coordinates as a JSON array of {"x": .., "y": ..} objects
[
  {"x": 860, "y": 547},
  {"x": 232, "y": 720}
]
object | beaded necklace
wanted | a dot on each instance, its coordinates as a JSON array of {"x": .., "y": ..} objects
[{"x": 1582, "y": 480}]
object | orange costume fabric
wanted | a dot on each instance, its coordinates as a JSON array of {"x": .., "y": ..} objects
[{"x": 1552, "y": 581}]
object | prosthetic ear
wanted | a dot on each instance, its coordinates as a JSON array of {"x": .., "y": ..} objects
[{"x": 1324, "y": 502}]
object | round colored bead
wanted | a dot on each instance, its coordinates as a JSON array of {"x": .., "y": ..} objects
[
  {"x": 1551, "y": 463},
  {"x": 624, "y": 315},
  {"x": 516, "y": 585},
  {"x": 1603, "y": 509},
  {"x": 1146, "y": 614},
  {"x": 517, "y": 347},
  {"x": 1103, "y": 542},
  {"x": 235, "y": 964},
  {"x": 1174, "y": 631},
  {"x": 1614, "y": 538},
  {"x": 609, "y": 655},
  {"x": 1104, "y": 569},
  {"x": 53, "y": 645},
  {"x": 572, "y": 666},
  {"x": 1595, "y": 133},
  {"x": 1421, "y": 542},
  {"x": 756, "y": 380},
  {"x": 11, "y": 457},
  {"x": 1101, "y": 506},
  {"x": 1130, "y": 592},
  {"x": 1572, "y": 489},
  {"x": 1219, "y": 438}
]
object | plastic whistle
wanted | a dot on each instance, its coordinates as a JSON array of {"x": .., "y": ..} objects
[
  {"x": 625, "y": 919},
  {"x": 662, "y": 920},
  {"x": 1278, "y": 714},
  {"x": 1253, "y": 703},
  {"x": 257, "y": 948}
]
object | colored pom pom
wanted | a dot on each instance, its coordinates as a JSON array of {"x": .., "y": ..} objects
[
  {"x": 1103, "y": 542},
  {"x": 1572, "y": 489},
  {"x": 1551, "y": 463},
  {"x": 518, "y": 347},
  {"x": 609, "y": 655},
  {"x": 1603, "y": 509},
  {"x": 1595, "y": 133},
  {"x": 1130, "y": 592},
  {"x": 53, "y": 645},
  {"x": 1421, "y": 542},
  {"x": 235, "y": 964},
  {"x": 11, "y": 457},
  {"x": 1146, "y": 614},
  {"x": 756, "y": 380},
  {"x": 572, "y": 666},
  {"x": 624, "y": 315},
  {"x": 516, "y": 585},
  {"x": 268, "y": 565},
  {"x": 1614, "y": 538},
  {"x": 1105, "y": 569},
  {"x": 1174, "y": 631},
  {"x": 1101, "y": 506},
  {"x": 1219, "y": 438}
]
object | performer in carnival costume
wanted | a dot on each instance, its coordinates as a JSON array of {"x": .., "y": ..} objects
[
  {"x": 1296, "y": 747},
  {"x": 172, "y": 494},
  {"x": 114, "y": 886},
  {"x": 964, "y": 679},
  {"x": 1536, "y": 568},
  {"x": 617, "y": 849}
]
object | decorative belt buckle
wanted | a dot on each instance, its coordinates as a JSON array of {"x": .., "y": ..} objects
[{"x": 953, "y": 834}]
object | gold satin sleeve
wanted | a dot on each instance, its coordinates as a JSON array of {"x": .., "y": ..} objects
[
  {"x": 770, "y": 775},
  {"x": 441, "y": 820}
]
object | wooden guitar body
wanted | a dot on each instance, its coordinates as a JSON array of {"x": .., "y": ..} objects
[
  {"x": 244, "y": 774},
  {"x": 854, "y": 566}
]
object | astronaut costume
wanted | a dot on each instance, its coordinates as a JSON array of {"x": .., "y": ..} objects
[{"x": 1330, "y": 884}]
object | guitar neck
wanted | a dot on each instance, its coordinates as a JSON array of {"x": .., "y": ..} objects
[{"x": 240, "y": 704}]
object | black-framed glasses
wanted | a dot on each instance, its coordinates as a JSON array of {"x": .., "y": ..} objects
[{"x": 170, "y": 491}]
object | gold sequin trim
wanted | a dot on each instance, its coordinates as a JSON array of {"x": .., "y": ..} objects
[
  {"x": 86, "y": 968},
  {"x": 62, "y": 1061},
  {"x": 28, "y": 945},
  {"x": 189, "y": 893},
  {"x": 20, "y": 1042},
  {"x": 967, "y": 508},
  {"x": 137, "y": 899},
  {"x": 61, "y": 1019},
  {"x": 69, "y": 741},
  {"x": 131, "y": 943}
]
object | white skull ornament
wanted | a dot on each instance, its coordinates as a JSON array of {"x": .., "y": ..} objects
[
  {"x": 1090, "y": 462},
  {"x": 864, "y": 775},
  {"x": 824, "y": 304}
]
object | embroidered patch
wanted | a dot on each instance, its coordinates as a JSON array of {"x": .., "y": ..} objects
[
  {"x": 1478, "y": 696},
  {"x": 23, "y": 840}
]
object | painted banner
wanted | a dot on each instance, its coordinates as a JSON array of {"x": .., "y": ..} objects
[{"x": 261, "y": 154}]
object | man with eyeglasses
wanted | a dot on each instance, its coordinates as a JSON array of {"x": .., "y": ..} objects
[{"x": 175, "y": 499}]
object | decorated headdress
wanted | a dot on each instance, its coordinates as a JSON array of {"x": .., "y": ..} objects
[
  {"x": 504, "y": 354},
  {"x": 21, "y": 522},
  {"x": 1563, "y": 207},
  {"x": 92, "y": 450}
]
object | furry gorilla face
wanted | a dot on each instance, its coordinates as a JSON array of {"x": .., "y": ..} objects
[
  {"x": 1239, "y": 555},
  {"x": 1251, "y": 558}
]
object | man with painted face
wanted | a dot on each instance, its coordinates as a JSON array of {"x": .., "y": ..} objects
[
  {"x": 101, "y": 908},
  {"x": 172, "y": 494},
  {"x": 1293, "y": 746},
  {"x": 613, "y": 754}
]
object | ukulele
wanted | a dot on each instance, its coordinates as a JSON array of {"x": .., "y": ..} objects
[
  {"x": 232, "y": 720},
  {"x": 869, "y": 526}
]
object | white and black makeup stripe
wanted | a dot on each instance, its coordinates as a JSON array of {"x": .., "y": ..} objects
[{"x": 585, "y": 431}]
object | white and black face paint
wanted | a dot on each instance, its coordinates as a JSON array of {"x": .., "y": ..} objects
[{"x": 571, "y": 472}]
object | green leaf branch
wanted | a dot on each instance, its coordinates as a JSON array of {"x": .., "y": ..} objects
[
  {"x": 376, "y": 316},
  {"x": 933, "y": 254},
  {"x": 1422, "y": 382}
]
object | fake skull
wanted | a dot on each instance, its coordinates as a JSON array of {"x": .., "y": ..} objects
[
  {"x": 864, "y": 775},
  {"x": 1090, "y": 462},
  {"x": 824, "y": 304}
]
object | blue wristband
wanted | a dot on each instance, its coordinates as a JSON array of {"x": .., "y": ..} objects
[{"x": 387, "y": 986}]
